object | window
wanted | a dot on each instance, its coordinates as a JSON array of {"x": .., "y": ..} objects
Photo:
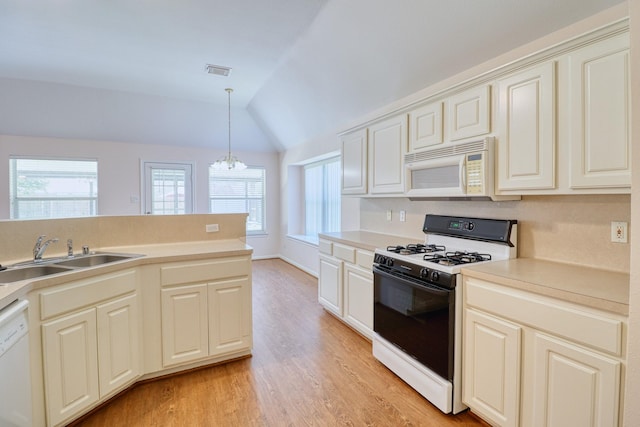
[
  {"x": 168, "y": 188},
  {"x": 48, "y": 188},
  {"x": 322, "y": 197},
  {"x": 232, "y": 191}
]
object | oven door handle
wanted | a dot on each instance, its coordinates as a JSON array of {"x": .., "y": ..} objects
[{"x": 422, "y": 286}]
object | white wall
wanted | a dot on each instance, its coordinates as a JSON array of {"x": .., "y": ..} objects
[
  {"x": 119, "y": 177},
  {"x": 299, "y": 253},
  {"x": 632, "y": 394}
]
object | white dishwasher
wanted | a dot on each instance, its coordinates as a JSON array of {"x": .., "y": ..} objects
[{"x": 15, "y": 386}]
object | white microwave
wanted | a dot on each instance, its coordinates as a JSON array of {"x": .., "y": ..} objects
[{"x": 455, "y": 170}]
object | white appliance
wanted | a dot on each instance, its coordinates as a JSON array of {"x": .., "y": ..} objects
[
  {"x": 15, "y": 388},
  {"x": 453, "y": 171},
  {"x": 417, "y": 303}
]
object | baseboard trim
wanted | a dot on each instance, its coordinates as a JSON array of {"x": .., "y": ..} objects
[{"x": 301, "y": 267}]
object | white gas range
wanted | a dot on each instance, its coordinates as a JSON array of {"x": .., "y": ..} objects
[{"x": 417, "y": 311}]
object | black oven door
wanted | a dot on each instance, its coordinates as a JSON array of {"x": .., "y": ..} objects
[{"x": 417, "y": 317}]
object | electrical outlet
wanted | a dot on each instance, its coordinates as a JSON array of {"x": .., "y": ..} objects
[
  {"x": 212, "y": 228},
  {"x": 389, "y": 215},
  {"x": 618, "y": 232},
  {"x": 403, "y": 216}
]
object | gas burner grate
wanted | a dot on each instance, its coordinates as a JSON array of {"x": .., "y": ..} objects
[
  {"x": 422, "y": 249},
  {"x": 415, "y": 248},
  {"x": 457, "y": 258}
]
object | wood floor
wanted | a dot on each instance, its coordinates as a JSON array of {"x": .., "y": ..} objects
[{"x": 307, "y": 369}]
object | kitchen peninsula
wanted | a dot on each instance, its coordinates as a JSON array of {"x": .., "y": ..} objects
[{"x": 95, "y": 331}]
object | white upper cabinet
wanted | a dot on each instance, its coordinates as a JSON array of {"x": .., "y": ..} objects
[
  {"x": 469, "y": 113},
  {"x": 425, "y": 126},
  {"x": 354, "y": 162},
  {"x": 561, "y": 118},
  {"x": 600, "y": 114},
  {"x": 526, "y": 129},
  {"x": 387, "y": 146}
]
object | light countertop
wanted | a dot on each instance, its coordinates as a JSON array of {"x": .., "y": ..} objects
[
  {"x": 367, "y": 240},
  {"x": 595, "y": 288},
  {"x": 152, "y": 254},
  {"x": 591, "y": 287}
]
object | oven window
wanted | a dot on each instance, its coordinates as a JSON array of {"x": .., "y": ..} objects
[{"x": 417, "y": 320}]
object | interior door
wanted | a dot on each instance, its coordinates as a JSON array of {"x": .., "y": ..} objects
[{"x": 168, "y": 188}]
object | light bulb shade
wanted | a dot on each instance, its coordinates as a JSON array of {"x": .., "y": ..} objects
[{"x": 229, "y": 163}]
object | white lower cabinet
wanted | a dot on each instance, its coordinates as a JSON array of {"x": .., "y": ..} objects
[
  {"x": 90, "y": 339},
  {"x": 71, "y": 364},
  {"x": 573, "y": 386},
  {"x": 229, "y": 316},
  {"x": 493, "y": 350},
  {"x": 358, "y": 298},
  {"x": 184, "y": 324},
  {"x": 118, "y": 343},
  {"x": 205, "y": 309},
  {"x": 534, "y": 361},
  {"x": 345, "y": 284},
  {"x": 330, "y": 284},
  {"x": 87, "y": 341}
]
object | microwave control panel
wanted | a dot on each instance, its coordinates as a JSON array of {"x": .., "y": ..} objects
[{"x": 475, "y": 174}]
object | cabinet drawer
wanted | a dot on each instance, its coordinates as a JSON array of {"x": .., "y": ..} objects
[
  {"x": 578, "y": 324},
  {"x": 345, "y": 253},
  {"x": 325, "y": 247},
  {"x": 204, "y": 271},
  {"x": 364, "y": 259},
  {"x": 86, "y": 292}
]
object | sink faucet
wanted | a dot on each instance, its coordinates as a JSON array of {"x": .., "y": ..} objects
[
  {"x": 69, "y": 248},
  {"x": 40, "y": 247}
]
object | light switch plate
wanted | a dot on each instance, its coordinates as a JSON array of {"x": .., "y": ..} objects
[{"x": 389, "y": 215}]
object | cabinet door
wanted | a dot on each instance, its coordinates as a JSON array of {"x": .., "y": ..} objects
[
  {"x": 330, "y": 284},
  {"x": 358, "y": 299},
  {"x": 526, "y": 126},
  {"x": 491, "y": 373},
  {"x": 229, "y": 316},
  {"x": 354, "y": 162},
  {"x": 387, "y": 145},
  {"x": 185, "y": 334},
  {"x": 118, "y": 343},
  {"x": 425, "y": 126},
  {"x": 70, "y": 365},
  {"x": 469, "y": 113},
  {"x": 573, "y": 386},
  {"x": 600, "y": 115}
]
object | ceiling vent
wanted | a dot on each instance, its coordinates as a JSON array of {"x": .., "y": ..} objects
[{"x": 218, "y": 70}]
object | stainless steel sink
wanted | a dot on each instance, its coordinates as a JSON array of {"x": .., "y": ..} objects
[
  {"x": 24, "y": 273},
  {"x": 33, "y": 270},
  {"x": 93, "y": 260}
]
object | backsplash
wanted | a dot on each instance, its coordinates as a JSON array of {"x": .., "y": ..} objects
[
  {"x": 570, "y": 229},
  {"x": 17, "y": 237}
]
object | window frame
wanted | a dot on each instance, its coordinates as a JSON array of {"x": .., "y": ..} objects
[
  {"x": 13, "y": 186},
  {"x": 313, "y": 164},
  {"x": 263, "y": 199}
]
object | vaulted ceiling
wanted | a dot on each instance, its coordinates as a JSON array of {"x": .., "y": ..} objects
[{"x": 134, "y": 71}]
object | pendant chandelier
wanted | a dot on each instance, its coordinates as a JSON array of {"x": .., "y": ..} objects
[{"x": 229, "y": 162}]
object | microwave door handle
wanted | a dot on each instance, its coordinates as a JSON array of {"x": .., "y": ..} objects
[{"x": 463, "y": 175}]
